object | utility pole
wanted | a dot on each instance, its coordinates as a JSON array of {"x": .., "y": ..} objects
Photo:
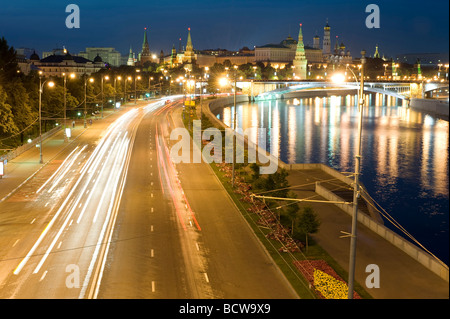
[{"x": 234, "y": 126}]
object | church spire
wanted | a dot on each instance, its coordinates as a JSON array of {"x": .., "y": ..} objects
[{"x": 376, "y": 55}]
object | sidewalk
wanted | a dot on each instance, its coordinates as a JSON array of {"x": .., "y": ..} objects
[{"x": 25, "y": 166}]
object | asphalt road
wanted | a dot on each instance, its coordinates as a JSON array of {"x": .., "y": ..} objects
[
  {"x": 113, "y": 217},
  {"x": 179, "y": 235}
]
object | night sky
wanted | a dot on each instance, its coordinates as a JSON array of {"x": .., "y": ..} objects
[{"x": 406, "y": 26}]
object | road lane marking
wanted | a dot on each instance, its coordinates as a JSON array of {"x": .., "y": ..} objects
[
  {"x": 196, "y": 245},
  {"x": 153, "y": 286},
  {"x": 33, "y": 220},
  {"x": 151, "y": 209},
  {"x": 15, "y": 242},
  {"x": 152, "y": 253},
  {"x": 43, "y": 275},
  {"x": 206, "y": 277}
]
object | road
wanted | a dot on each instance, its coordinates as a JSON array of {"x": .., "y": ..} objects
[{"x": 114, "y": 217}]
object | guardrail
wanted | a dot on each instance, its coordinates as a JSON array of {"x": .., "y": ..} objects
[{"x": 21, "y": 149}]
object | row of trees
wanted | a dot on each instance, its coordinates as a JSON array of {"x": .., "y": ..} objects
[{"x": 301, "y": 220}]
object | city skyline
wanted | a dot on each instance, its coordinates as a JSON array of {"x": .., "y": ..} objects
[{"x": 259, "y": 23}]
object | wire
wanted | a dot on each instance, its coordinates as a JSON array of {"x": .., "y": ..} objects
[
  {"x": 5, "y": 138},
  {"x": 389, "y": 218}
]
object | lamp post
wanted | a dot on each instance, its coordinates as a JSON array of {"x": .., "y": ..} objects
[
  {"x": 41, "y": 89},
  {"x": 85, "y": 97},
  {"x": 205, "y": 76},
  {"x": 356, "y": 192},
  {"x": 136, "y": 77},
  {"x": 234, "y": 126},
  {"x": 339, "y": 78},
  {"x": 72, "y": 76},
  {"x": 115, "y": 92},
  {"x": 103, "y": 78}
]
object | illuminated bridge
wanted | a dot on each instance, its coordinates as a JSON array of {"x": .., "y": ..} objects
[{"x": 269, "y": 90}]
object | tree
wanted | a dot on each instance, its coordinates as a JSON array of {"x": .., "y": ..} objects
[
  {"x": 18, "y": 99},
  {"x": 292, "y": 211},
  {"x": 8, "y": 62},
  {"x": 7, "y": 125},
  {"x": 308, "y": 222}
]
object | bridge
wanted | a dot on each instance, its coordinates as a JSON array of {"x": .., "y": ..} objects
[{"x": 269, "y": 90}]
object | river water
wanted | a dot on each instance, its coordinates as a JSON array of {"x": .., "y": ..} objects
[{"x": 405, "y": 153}]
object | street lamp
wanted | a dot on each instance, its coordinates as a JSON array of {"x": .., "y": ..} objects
[
  {"x": 234, "y": 125},
  {"x": 385, "y": 66},
  {"x": 41, "y": 89},
  {"x": 356, "y": 191},
  {"x": 136, "y": 77},
  {"x": 85, "y": 96},
  {"x": 115, "y": 92},
  {"x": 150, "y": 78},
  {"x": 72, "y": 76},
  {"x": 339, "y": 78},
  {"x": 128, "y": 78},
  {"x": 103, "y": 78}
]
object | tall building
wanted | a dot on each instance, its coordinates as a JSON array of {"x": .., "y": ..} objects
[
  {"x": 326, "y": 40},
  {"x": 300, "y": 62},
  {"x": 145, "y": 54},
  {"x": 316, "y": 42},
  {"x": 173, "y": 57}
]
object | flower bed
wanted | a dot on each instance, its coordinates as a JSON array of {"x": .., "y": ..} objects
[{"x": 324, "y": 279}]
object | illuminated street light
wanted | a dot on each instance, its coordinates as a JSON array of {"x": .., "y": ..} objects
[
  {"x": 41, "y": 89},
  {"x": 72, "y": 76},
  {"x": 223, "y": 82},
  {"x": 136, "y": 77},
  {"x": 85, "y": 97},
  {"x": 103, "y": 78},
  {"x": 338, "y": 78}
]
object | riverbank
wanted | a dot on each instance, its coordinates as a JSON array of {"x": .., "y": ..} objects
[
  {"x": 401, "y": 275},
  {"x": 434, "y": 106}
]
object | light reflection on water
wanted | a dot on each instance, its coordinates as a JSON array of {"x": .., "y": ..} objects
[{"x": 405, "y": 154}]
